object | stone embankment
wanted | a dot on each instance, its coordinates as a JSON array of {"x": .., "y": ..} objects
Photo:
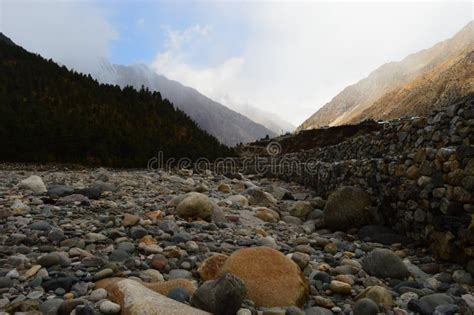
[{"x": 419, "y": 171}]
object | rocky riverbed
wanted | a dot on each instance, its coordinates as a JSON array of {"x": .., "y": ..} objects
[{"x": 97, "y": 241}]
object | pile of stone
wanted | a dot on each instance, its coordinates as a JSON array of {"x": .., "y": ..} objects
[
  {"x": 420, "y": 171},
  {"x": 96, "y": 241}
]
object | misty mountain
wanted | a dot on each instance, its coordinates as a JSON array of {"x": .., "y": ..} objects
[
  {"x": 270, "y": 120},
  {"x": 226, "y": 125},
  {"x": 423, "y": 81}
]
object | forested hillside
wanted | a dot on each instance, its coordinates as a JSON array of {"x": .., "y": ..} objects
[{"x": 51, "y": 114}]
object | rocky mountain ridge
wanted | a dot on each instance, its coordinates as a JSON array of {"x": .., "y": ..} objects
[
  {"x": 228, "y": 126},
  {"x": 423, "y": 81}
]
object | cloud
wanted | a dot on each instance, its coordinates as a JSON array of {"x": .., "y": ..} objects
[
  {"x": 285, "y": 57},
  {"x": 174, "y": 63},
  {"x": 176, "y": 38},
  {"x": 296, "y": 56},
  {"x": 72, "y": 33}
]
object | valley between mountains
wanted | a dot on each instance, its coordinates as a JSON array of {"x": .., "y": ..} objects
[{"x": 372, "y": 213}]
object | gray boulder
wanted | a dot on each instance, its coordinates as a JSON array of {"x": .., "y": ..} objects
[
  {"x": 222, "y": 296},
  {"x": 383, "y": 263},
  {"x": 195, "y": 205},
  {"x": 349, "y": 207}
]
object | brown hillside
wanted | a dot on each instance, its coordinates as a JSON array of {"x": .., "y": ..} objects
[{"x": 424, "y": 80}]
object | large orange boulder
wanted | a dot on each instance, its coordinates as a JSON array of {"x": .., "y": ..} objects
[{"x": 271, "y": 278}]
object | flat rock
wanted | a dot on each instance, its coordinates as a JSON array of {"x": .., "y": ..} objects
[{"x": 135, "y": 299}]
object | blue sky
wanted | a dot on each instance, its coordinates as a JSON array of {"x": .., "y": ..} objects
[
  {"x": 288, "y": 58},
  {"x": 143, "y": 27}
]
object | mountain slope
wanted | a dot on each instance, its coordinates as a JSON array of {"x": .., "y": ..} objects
[
  {"x": 226, "y": 125},
  {"x": 51, "y": 114},
  {"x": 268, "y": 119},
  {"x": 424, "y": 80}
]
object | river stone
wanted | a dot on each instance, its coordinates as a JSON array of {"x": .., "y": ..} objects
[
  {"x": 225, "y": 188},
  {"x": 340, "y": 287},
  {"x": 103, "y": 186},
  {"x": 69, "y": 305},
  {"x": 73, "y": 199},
  {"x": 267, "y": 215},
  {"x": 210, "y": 267},
  {"x": 447, "y": 309},
  {"x": 257, "y": 197},
  {"x": 108, "y": 307},
  {"x": 98, "y": 294},
  {"x": 135, "y": 299},
  {"x": 34, "y": 183},
  {"x": 366, "y": 307},
  {"x": 271, "y": 278},
  {"x": 40, "y": 226},
  {"x": 376, "y": 293},
  {"x": 195, "y": 205},
  {"x": 5, "y": 282},
  {"x": 165, "y": 287},
  {"x": 90, "y": 192},
  {"x": 60, "y": 282},
  {"x": 51, "y": 306},
  {"x": 300, "y": 209},
  {"x": 316, "y": 310},
  {"x": 130, "y": 219},
  {"x": 349, "y": 207},
  {"x": 383, "y": 263},
  {"x": 179, "y": 274},
  {"x": 49, "y": 260},
  {"x": 380, "y": 234},
  {"x": 179, "y": 294},
  {"x": 128, "y": 247},
  {"x": 239, "y": 199},
  {"x": 119, "y": 255},
  {"x": 60, "y": 191},
  {"x": 222, "y": 296},
  {"x": 437, "y": 299},
  {"x": 18, "y": 207},
  {"x": 420, "y": 307}
]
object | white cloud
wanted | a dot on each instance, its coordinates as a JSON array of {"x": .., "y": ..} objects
[
  {"x": 291, "y": 57},
  {"x": 297, "y": 56},
  {"x": 173, "y": 62},
  {"x": 72, "y": 33}
]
